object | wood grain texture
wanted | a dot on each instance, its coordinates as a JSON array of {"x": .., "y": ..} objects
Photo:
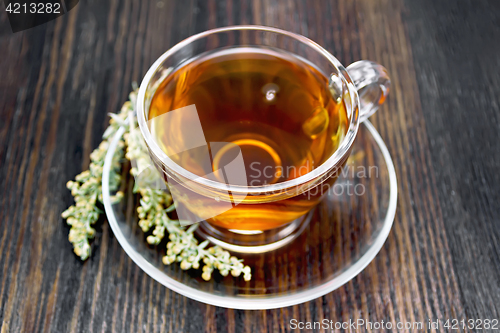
[{"x": 441, "y": 125}]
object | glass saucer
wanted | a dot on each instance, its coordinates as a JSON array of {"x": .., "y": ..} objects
[{"x": 346, "y": 231}]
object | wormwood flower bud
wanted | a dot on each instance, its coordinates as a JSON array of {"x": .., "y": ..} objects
[
  {"x": 91, "y": 232},
  {"x": 167, "y": 260},
  {"x": 177, "y": 249},
  {"x": 78, "y": 225},
  {"x": 185, "y": 265},
  {"x": 152, "y": 240},
  {"x": 104, "y": 146},
  {"x": 78, "y": 251},
  {"x": 73, "y": 234}
]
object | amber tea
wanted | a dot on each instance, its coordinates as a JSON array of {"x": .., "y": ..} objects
[{"x": 273, "y": 109}]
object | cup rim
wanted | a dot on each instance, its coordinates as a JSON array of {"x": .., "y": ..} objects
[{"x": 320, "y": 171}]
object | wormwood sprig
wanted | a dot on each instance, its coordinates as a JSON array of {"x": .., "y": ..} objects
[
  {"x": 155, "y": 204},
  {"x": 183, "y": 247},
  {"x": 87, "y": 187}
]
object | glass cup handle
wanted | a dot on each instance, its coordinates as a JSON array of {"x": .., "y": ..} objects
[{"x": 372, "y": 82}]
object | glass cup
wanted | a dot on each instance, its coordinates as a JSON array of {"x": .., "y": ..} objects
[{"x": 232, "y": 214}]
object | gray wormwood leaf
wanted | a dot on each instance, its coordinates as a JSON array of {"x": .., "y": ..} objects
[{"x": 87, "y": 189}]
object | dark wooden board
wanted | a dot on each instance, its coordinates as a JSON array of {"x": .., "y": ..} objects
[{"x": 441, "y": 124}]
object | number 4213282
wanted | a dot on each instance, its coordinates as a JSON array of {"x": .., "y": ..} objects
[{"x": 34, "y": 8}]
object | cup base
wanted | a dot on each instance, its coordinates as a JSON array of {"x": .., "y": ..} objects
[{"x": 253, "y": 241}]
